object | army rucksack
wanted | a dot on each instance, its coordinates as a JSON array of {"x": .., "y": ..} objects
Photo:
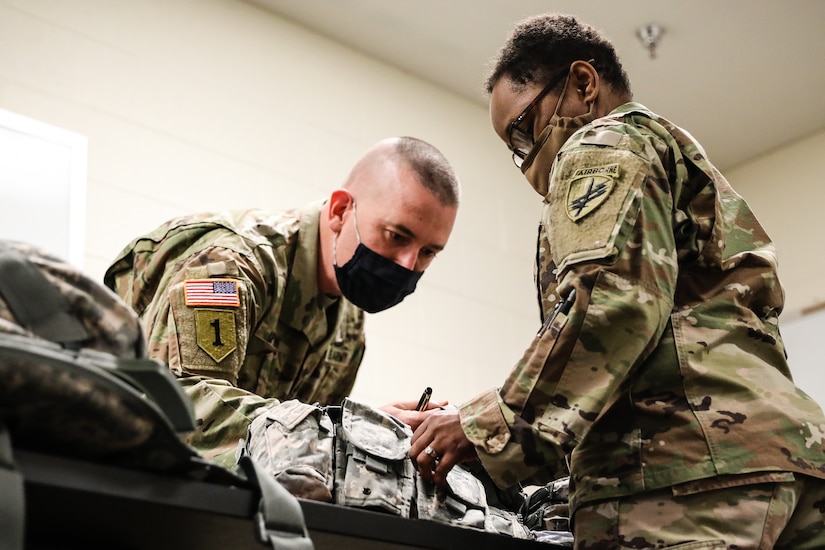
[{"x": 75, "y": 382}]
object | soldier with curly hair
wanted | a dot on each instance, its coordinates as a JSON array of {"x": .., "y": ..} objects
[{"x": 659, "y": 377}]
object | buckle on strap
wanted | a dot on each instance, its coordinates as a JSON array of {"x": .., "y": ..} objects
[{"x": 279, "y": 522}]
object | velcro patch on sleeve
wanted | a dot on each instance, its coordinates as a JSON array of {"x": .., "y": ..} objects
[
  {"x": 593, "y": 202},
  {"x": 211, "y": 292},
  {"x": 211, "y": 341},
  {"x": 215, "y": 332}
]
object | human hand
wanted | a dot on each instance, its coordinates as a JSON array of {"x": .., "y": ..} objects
[
  {"x": 439, "y": 444},
  {"x": 405, "y": 411}
]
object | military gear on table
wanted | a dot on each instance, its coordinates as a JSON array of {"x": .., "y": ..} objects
[
  {"x": 372, "y": 468},
  {"x": 74, "y": 381},
  {"x": 465, "y": 502},
  {"x": 669, "y": 367},
  {"x": 293, "y": 441},
  {"x": 230, "y": 301},
  {"x": 462, "y": 502},
  {"x": 547, "y": 508}
]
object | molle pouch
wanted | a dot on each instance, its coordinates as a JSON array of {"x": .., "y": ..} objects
[
  {"x": 372, "y": 469},
  {"x": 547, "y": 508},
  {"x": 464, "y": 503},
  {"x": 505, "y": 522},
  {"x": 293, "y": 442}
]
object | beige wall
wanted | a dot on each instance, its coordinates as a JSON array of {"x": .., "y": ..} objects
[
  {"x": 786, "y": 189},
  {"x": 193, "y": 105}
]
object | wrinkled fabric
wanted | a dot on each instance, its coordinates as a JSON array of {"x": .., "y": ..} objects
[
  {"x": 669, "y": 367},
  {"x": 279, "y": 340},
  {"x": 111, "y": 325},
  {"x": 780, "y": 511},
  {"x": 293, "y": 442},
  {"x": 82, "y": 400},
  {"x": 372, "y": 468}
]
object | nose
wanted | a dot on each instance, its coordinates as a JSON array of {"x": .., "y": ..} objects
[{"x": 407, "y": 258}]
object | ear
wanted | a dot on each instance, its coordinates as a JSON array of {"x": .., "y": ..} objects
[
  {"x": 339, "y": 203},
  {"x": 586, "y": 81}
]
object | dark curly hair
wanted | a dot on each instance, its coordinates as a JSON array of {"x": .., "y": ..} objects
[{"x": 542, "y": 46}]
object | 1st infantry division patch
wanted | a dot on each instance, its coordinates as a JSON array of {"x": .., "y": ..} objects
[{"x": 589, "y": 188}]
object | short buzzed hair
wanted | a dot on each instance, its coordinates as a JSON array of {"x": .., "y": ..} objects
[
  {"x": 542, "y": 46},
  {"x": 433, "y": 169}
]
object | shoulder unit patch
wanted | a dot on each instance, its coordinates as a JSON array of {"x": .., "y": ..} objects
[{"x": 589, "y": 188}]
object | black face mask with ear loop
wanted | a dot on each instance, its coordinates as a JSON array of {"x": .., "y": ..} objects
[
  {"x": 374, "y": 283},
  {"x": 371, "y": 281}
]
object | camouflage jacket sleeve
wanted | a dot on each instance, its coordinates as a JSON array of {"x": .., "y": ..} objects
[
  {"x": 230, "y": 303},
  {"x": 203, "y": 340},
  {"x": 608, "y": 219}
]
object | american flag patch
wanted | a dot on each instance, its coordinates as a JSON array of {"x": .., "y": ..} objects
[{"x": 211, "y": 292}]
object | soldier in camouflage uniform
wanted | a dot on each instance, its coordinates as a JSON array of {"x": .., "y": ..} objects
[
  {"x": 247, "y": 309},
  {"x": 659, "y": 373}
]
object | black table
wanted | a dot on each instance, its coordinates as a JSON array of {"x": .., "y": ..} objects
[{"x": 77, "y": 504}]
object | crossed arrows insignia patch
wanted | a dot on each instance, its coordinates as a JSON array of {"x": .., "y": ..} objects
[{"x": 589, "y": 189}]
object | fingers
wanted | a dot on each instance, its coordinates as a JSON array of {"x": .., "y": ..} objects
[
  {"x": 432, "y": 450},
  {"x": 411, "y": 405},
  {"x": 432, "y": 464}
]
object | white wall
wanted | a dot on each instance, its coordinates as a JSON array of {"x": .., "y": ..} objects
[
  {"x": 785, "y": 189},
  {"x": 803, "y": 337},
  {"x": 192, "y": 105}
]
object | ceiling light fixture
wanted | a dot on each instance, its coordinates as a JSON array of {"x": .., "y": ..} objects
[{"x": 650, "y": 35}]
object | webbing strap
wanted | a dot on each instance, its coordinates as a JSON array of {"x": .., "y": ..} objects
[
  {"x": 35, "y": 302},
  {"x": 280, "y": 521},
  {"x": 12, "y": 504}
]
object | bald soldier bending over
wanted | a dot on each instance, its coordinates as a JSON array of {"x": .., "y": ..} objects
[{"x": 252, "y": 307}]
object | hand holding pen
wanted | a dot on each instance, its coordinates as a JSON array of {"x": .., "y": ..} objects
[{"x": 413, "y": 413}]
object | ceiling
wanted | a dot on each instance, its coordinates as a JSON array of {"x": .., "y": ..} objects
[{"x": 743, "y": 76}]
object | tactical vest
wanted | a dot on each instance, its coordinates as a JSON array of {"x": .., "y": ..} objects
[{"x": 356, "y": 455}]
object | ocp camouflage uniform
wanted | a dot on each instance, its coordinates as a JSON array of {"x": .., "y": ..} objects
[
  {"x": 669, "y": 367},
  {"x": 230, "y": 301}
]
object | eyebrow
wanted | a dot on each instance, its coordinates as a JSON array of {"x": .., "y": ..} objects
[{"x": 409, "y": 233}]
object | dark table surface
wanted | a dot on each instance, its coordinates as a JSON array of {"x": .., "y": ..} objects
[{"x": 77, "y": 504}]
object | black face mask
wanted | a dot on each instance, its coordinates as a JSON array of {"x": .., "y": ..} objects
[{"x": 371, "y": 281}]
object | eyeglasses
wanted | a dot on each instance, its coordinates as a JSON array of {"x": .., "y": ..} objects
[{"x": 521, "y": 138}]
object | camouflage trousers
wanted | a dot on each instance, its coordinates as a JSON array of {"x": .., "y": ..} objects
[{"x": 780, "y": 510}]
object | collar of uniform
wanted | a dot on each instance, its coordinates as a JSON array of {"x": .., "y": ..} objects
[
  {"x": 301, "y": 307},
  {"x": 628, "y": 108}
]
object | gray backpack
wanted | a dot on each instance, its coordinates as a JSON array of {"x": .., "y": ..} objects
[{"x": 75, "y": 382}]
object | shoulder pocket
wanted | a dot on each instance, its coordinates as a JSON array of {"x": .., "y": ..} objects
[{"x": 593, "y": 204}]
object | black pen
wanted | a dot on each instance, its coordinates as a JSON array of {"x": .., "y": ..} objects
[
  {"x": 568, "y": 302},
  {"x": 561, "y": 307},
  {"x": 425, "y": 399}
]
